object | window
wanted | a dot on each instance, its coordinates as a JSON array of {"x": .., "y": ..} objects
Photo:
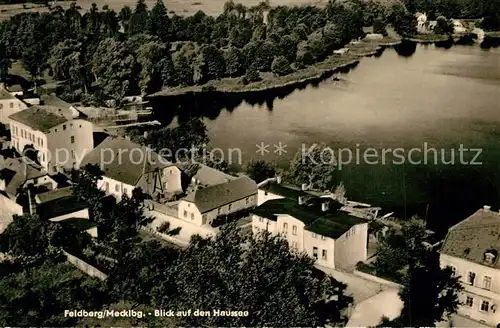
[
  {"x": 204, "y": 217},
  {"x": 229, "y": 207},
  {"x": 469, "y": 302},
  {"x": 261, "y": 220},
  {"x": 265, "y": 193},
  {"x": 485, "y": 306},
  {"x": 323, "y": 254},
  {"x": 1, "y": 106},
  {"x": 43, "y": 159},
  {"x": 294, "y": 245},
  {"x": 487, "y": 282},
  {"x": 124, "y": 189},
  {"x": 41, "y": 142},
  {"x": 72, "y": 153},
  {"x": 72, "y": 139},
  {"x": 247, "y": 200},
  {"x": 22, "y": 133},
  {"x": 294, "y": 230},
  {"x": 106, "y": 184},
  {"x": 64, "y": 127},
  {"x": 285, "y": 227},
  {"x": 218, "y": 211},
  {"x": 71, "y": 125},
  {"x": 323, "y": 238},
  {"x": 314, "y": 235},
  {"x": 117, "y": 188},
  {"x": 471, "y": 277},
  {"x": 185, "y": 213},
  {"x": 315, "y": 252},
  {"x": 11, "y": 105},
  {"x": 192, "y": 216}
]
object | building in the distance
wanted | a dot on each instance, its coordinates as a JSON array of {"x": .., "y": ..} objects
[
  {"x": 60, "y": 141},
  {"x": 316, "y": 226},
  {"x": 471, "y": 249}
]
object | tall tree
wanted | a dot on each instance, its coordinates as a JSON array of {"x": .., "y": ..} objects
[
  {"x": 159, "y": 22},
  {"x": 139, "y": 19},
  {"x": 282, "y": 292}
]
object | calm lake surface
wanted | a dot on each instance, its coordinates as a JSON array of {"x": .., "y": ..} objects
[{"x": 443, "y": 98}]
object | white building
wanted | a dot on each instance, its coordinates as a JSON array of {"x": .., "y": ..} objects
[
  {"x": 61, "y": 142},
  {"x": 471, "y": 248},
  {"x": 9, "y": 209},
  {"x": 202, "y": 206},
  {"x": 127, "y": 166},
  {"x": 315, "y": 226},
  {"x": 9, "y": 104}
]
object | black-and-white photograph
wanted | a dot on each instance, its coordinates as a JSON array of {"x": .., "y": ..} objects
[{"x": 276, "y": 163}]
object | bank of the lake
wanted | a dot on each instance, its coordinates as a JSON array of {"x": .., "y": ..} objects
[
  {"x": 412, "y": 96},
  {"x": 334, "y": 63}
]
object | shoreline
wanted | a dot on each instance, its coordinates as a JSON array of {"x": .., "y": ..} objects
[{"x": 316, "y": 70}]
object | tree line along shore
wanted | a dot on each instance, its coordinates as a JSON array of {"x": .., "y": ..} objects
[{"x": 104, "y": 55}]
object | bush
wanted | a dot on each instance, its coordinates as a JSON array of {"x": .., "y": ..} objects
[
  {"x": 164, "y": 227},
  {"x": 281, "y": 66},
  {"x": 251, "y": 76}
]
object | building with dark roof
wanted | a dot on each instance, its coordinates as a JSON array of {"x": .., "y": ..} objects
[
  {"x": 59, "y": 141},
  {"x": 127, "y": 165},
  {"x": 471, "y": 248},
  {"x": 17, "y": 173},
  {"x": 203, "y": 205},
  {"x": 316, "y": 226}
]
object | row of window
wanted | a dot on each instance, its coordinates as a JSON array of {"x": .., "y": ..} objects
[
  {"x": 323, "y": 253},
  {"x": 28, "y": 135},
  {"x": 315, "y": 236},
  {"x": 186, "y": 215},
  {"x": 471, "y": 279},
  {"x": 285, "y": 229},
  {"x": 230, "y": 206},
  {"x": 485, "y": 305},
  {"x": 11, "y": 105},
  {"x": 118, "y": 186}
]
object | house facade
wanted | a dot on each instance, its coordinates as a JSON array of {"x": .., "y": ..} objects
[
  {"x": 332, "y": 237},
  {"x": 60, "y": 143},
  {"x": 471, "y": 249},
  {"x": 202, "y": 206},
  {"x": 9, "y": 104},
  {"x": 127, "y": 166}
]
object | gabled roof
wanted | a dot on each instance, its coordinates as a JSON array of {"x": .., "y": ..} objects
[
  {"x": 208, "y": 176},
  {"x": 16, "y": 171},
  {"x": 127, "y": 160},
  {"x": 332, "y": 223},
  {"x": 58, "y": 106},
  {"x": 54, "y": 195},
  {"x": 474, "y": 236},
  {"x": 4, "y": 94},
  {"x": 58, "y": 202},
  {"x": 213, "y": 197},
  {"x": 284, "y": 190},
  {"x": 38, "y": 118}
]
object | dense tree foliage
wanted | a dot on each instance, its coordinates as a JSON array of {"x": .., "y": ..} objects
[
  {"x": 260, "y": 170},
  {"x": 430, "y": 293}
]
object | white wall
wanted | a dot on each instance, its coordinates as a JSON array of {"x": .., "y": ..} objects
[
  {"x": 298, "y": 237},
  {"x": 115, "y": 188},
  {"x": 259, "y": 224},
  {"x": 22, "y": 136},
  {"x": 312, "y": 240},
  {"x": 9, "y": 107},
  {"x": 477, "y": 292},
  {"x": 264, "y": 196},
  {"x": 59, "y": 137},
  {"x": 81, "y": 214},
  {"x": 188, "y": 208},
  {"x": 171, "y": 178},
  {"x": 351, "y": 247}
]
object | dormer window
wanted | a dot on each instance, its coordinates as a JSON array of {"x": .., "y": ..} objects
[{"x": 490, "y": 256}]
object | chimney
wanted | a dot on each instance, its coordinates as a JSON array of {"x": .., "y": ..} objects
[
  {"x": 278, "y": 179},
  {"x": 486, "y": 208},
  {"x": 145, "y": 134},
  {"x": 324, "y": 206},
  {"x": 304, "y": 186},
  {"x": 301, "y": 200}
]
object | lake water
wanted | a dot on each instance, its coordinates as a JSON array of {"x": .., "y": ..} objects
[{"x": 434, "y": 98}]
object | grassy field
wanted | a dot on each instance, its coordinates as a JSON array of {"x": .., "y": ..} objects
[{"x": 180, "y": 7}]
